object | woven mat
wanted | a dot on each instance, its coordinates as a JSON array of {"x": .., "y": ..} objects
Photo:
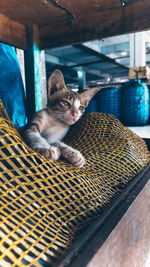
[{"x": 44, "y": 203}]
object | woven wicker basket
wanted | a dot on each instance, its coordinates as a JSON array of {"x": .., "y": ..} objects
[{"x": 43, "y": 203}]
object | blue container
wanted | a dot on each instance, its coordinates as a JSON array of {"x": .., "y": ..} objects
[
  {"x": 109, "y": 101},
  {"x": 135, "y": 103},
  {"x": 92, "y": 106}
]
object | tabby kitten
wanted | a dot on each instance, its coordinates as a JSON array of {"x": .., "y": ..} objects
[{"x": 49, "y": 126}]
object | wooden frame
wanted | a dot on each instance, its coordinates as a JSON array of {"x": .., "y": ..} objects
[{"x": 33, "y": 25}]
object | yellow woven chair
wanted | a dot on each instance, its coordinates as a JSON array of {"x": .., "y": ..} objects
[{"x": 43, "y": 203}]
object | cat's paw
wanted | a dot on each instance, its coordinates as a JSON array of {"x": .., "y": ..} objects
[
  {"x": 52, "y": 153},
  {"x": 74, "y": 156}
]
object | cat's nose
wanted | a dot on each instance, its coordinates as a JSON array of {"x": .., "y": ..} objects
[{"x": 74, "y": 114}]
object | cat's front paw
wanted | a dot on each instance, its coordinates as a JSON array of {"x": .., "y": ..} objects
[
  {"x": 52, "y": 153},
  {"x": 74, "y": 156}
]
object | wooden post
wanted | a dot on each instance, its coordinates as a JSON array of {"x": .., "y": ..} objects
[
  {"x": 20, "y": 56},
  {"x": 33, "y": 72},
  {"x": 81, "y": 79},
  {"x": 138, "y": 68},
  {"x": 44, "y": 82},
  {"x": 137, "y": 49}
]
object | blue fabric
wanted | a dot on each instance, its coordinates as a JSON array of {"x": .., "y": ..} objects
[{"x": 11, "y": 85}]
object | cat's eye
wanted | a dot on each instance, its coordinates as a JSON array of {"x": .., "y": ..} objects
[
  {"x": 81, "y": 108},
  {"x": 66, "y": 103}
]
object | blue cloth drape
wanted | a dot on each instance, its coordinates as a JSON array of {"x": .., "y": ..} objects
[{"x": 11, "y": 85}]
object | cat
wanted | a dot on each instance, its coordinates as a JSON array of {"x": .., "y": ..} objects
[{"x": 49, "y": 126}]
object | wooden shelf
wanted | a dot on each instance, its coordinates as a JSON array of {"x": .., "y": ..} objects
[{"x": 68, "y": 22}]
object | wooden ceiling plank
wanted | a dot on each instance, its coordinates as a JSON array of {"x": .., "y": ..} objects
[
  {"x": 31, "y": 12},
  {"x": 43, "y": 12},
  {"x": 129, "y": 18},
  {"x": 79, "y": 8},
  {"x": 12, "y": 32}
]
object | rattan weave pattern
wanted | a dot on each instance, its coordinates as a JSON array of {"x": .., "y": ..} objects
[{"x": 44, "y": 203}]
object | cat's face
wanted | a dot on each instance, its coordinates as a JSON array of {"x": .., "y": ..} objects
[{"x": 65, "y": 105}]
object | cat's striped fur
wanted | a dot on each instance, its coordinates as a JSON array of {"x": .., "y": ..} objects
[{"x": 49, "y": 126}]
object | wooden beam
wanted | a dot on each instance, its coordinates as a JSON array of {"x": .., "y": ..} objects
[
  {"x": 81, "y": 74},
  {"x": 99, "y": 55},
  {"x": 126, "y": 17},
  {"x": 12, "y": 32}
]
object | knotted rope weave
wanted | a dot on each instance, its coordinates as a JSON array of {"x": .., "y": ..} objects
[{"x": 44, "y": 203}]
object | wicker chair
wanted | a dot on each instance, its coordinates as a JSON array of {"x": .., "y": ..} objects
[{"x": 45, "y": 204}]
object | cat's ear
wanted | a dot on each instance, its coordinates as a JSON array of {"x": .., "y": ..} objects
[
  {"x": 87, "y": 95},
  {"x": 55, "y": 82}
]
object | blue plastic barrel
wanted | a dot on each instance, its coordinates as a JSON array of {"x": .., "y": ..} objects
[
  {"x": 92, "y": 106},
  {"x": 109, "y": 101},
  {"x": 135, "y": 103}
]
